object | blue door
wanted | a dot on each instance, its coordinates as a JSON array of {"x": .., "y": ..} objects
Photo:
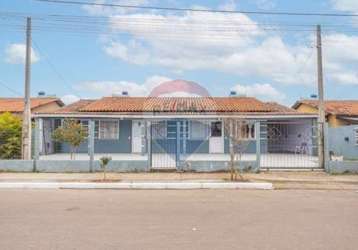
[{"x": 164, "y": 144}]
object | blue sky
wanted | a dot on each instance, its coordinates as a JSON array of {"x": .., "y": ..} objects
[{"x": 202, "y": 47}]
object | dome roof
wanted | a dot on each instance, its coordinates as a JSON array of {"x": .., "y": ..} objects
[{"x": 179, "y": 88}]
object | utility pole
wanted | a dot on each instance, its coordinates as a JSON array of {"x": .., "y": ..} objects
[
  {"x": 321, "y": 111},
  {"x": 26, "y": 121}
]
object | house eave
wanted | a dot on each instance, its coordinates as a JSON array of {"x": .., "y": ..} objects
[{"x": 176, "y": 115}]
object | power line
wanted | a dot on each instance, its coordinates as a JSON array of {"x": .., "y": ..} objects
[
  {"x": 52, "y": 66},
  {"x": 10, "y": 89},
  {"x": 283, "y": 13}
]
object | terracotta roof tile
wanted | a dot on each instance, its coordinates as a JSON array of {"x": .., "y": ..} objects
[
  {"x": 178, "y": 104},
  {"x": 337, "y": 107},
  {"x": 74, "y": 107},
  {"x": 16, "y": 105}
]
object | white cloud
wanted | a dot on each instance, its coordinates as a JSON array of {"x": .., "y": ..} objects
[
  {"x": 68, "y": 99},
  {"x": 345, "y": 5},
  {"x": 262, "y": 91},
  {"x": 348, "y": 78},
  {"x": 16, "y": 54},
  {"x": 232, "y": 44},
  {"x": 108, "y": 88}
]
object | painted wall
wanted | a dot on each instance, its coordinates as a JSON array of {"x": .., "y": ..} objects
[
  {"x": 341, "y": 167},
  {"x": 47, "y": 108},
  {"x": 122, "y": 145},
  {"x": 335, "y": 122},
  {"x": 332, "y": 120},
  {"x": 342, "y": 141}
]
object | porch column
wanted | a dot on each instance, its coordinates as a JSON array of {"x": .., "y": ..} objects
[
  {"x": 149, "y": 143},
  {"x": 258, "y": 144},
  {"x": 326, "y": 148},
  {"x": 91, "y": 125},
  {"x": 178, "y": 146}
]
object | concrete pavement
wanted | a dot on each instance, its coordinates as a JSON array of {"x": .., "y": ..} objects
[
  {"x": 280, "y": 179},
  {"x": 167, "y": 185},
  {"x": 186, "y": 219}
]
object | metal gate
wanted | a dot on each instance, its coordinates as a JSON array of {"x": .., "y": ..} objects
[
  {"x": 164, "y": 144},
  {"x": 289, "y": 144}
]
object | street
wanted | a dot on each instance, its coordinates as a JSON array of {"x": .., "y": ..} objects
[{"x": 169, "y": 219}]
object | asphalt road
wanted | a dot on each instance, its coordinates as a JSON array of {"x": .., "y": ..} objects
[{"x": 201, "y": 219}]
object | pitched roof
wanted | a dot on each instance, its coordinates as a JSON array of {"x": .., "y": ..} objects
[
  {"x": 16, "y": 105},
  {"x": 175, "y": 104},
  {"x": 281, "y": 108},
  {"x": 74, "y": 107},
  {"x": 335, "y": 107}
]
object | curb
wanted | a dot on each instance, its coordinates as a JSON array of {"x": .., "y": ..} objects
[{"x": 136, "y": 185}]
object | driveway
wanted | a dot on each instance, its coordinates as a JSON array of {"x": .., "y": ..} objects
[{"x": 191, "y": 219}]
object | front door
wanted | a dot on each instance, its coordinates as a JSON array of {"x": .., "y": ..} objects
[
  {"x": 137, "y": 136},
  {"x": 164, "y": 144},
  {"x": 216, "y": 140}
]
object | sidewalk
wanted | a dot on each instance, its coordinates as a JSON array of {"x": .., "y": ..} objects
[{"x": 280, "y": 180}]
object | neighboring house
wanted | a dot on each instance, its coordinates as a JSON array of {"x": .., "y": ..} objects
[
  {"x": 183, "y": 132},
  {"x": 38, "y": 105},
  {"x": 338, "y": 112}
]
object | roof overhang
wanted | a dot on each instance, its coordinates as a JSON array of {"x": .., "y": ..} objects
[
  {"x": 176, "y": 115},
  {"x": 353, "y": 119}
]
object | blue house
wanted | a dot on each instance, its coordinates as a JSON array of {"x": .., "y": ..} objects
[{"x": 184, "y": 133}]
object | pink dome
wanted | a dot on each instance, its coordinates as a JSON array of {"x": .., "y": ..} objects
[{"x": 179, "y": 88}]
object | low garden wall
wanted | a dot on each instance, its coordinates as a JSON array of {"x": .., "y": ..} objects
[
  {"x": 217, "y": 166},
  {"x": 68, "y": 166},
  {"x": 16, "y": 166},
  {"x": 341, "y": 167}
]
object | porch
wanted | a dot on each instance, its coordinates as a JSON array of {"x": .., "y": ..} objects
[{"x": 186, "y": 144}]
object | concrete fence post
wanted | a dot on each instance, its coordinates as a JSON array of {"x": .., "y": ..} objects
[
  {"x": 258, "y": 145},
  {"x": 36, "y": 145},
  {"x": 91, "y": 128}
]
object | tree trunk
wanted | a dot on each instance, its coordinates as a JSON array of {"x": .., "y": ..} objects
[
  {"x": 104, "y": 173},
  {"x": 71, "y": 153},
  {"x": 232, "y": 162}
]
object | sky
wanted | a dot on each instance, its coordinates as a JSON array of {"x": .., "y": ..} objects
[{"x": 135, "y": 50}]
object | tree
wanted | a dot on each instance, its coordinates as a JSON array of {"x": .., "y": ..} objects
[
  {"x": 10, "y": 136},
  {"x": 104, "y": 162},
  {"x": 236, "y": 130},
  {"x": 72, "y": 133}
]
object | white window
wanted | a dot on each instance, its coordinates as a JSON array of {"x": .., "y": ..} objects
[
  {"x": 106, "y": 130},
  {"x": 199, "y": 130},
  {"x": 185, "y": 129},
  {"x": 241, "y": 130},
  {"x": 248, "y": 131},
  {"x": 84, "y": 124}
]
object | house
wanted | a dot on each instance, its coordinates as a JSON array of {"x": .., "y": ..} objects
[
  {"x": 338, "y": 112},
  {"x": 182, "y": 133},
  {"x": 38, "y": 105}
]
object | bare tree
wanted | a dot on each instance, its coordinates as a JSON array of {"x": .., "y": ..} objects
[{"x": 237, "y": 131}]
